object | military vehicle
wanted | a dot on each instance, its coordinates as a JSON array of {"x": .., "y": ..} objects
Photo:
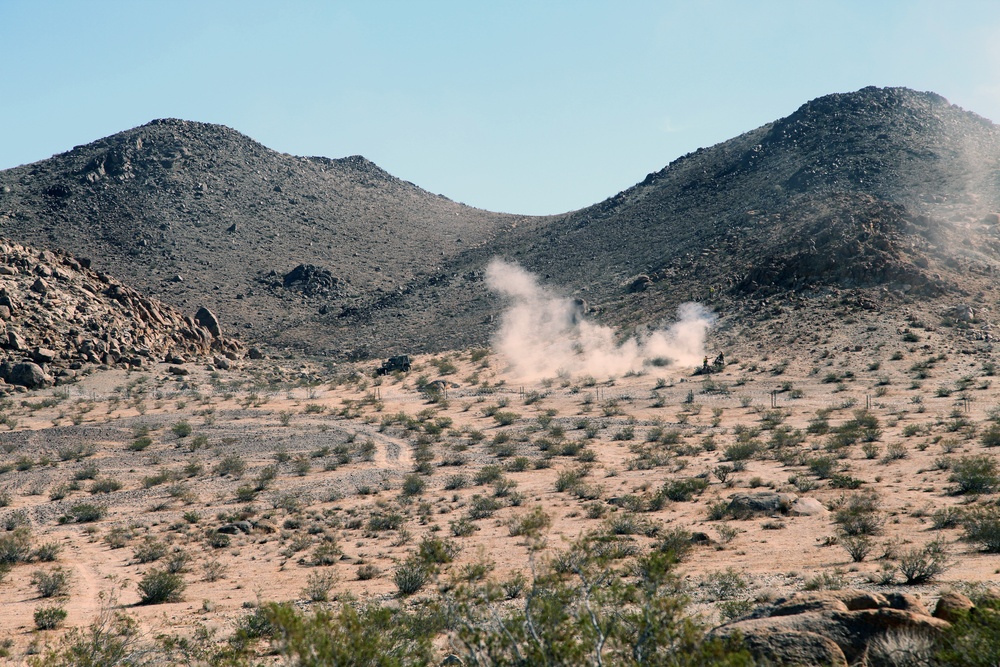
[{"x": 392, "y": 364}]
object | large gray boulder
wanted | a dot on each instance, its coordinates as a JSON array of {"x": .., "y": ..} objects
[{"x": 27, "y": 374}]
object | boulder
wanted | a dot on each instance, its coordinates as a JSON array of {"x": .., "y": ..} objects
[
  {"x": 808, "y": 507},
  {"x": 762, "y": 502},
  {"x": 207, "y": 319},
  {"x": 28, "y": 374},
  {"x": 40, "y": 287},
  {"x": 254, "y": 353},
  {"x": 951, "y": 605},
  {"x": 222, "y": 363},
  {"x": 15, "y": 341},
  {"x": 44, "y": 355},
  {"x": 849, "y": 618},
  {"x": 794, "y": 648}
]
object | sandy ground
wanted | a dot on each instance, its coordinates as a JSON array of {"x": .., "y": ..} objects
[{"x": 300, "y": 416}]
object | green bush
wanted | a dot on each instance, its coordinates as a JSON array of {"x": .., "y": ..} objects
[
  {"x": 973, "y": 640},
  {"x": 680, "y": 490},
  {"x": 15, "y": 547},
  {"x": 920, "y": 565},
  {"x": 105, "y": 486},
  {"x": 982, "y": 527},
  {"x": 974, "y": 474},
  {"x": 860, "y": 514},
  {"x": 50, "y": 584},
  {"x": 371, "y": 635},
  {"x": 159, "y": 586},
  {"x": 413, "y": 485},
  {"x": 49, "y": 618},
  {"x": 181, "y": 429},
  {"x": 410, "y": 576}
]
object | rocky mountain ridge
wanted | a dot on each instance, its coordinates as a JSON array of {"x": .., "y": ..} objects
[{"x": 885, "y": 195}]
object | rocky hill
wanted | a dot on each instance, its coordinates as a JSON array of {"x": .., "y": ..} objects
[
  {"x": 58, "y": 317},
  {"x": 198, "y": 214},
  {"x": 878, "y": 197},
  {"x": 872, "y": 200}
]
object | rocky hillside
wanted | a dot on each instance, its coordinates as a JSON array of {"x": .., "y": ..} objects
[
  {"x": 883, "y": 196},
  {"x": 58, "y": 316},
  {"x": 880, "y": 197},
  {"x": 198, "y": 214}
]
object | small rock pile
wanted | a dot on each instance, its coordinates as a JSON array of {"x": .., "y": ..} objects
[{"x": 57, "y": 315}]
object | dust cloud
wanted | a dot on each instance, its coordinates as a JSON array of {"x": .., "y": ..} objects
[{"x": 543, "y": 334}]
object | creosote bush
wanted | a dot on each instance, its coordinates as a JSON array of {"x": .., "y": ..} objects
[{"x": 159, "y": 586}]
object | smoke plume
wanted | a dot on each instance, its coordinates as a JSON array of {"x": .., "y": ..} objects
[{"x": 542, "y": 334}]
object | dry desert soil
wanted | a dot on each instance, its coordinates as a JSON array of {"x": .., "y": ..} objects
[{"x": 341, "y": 475}]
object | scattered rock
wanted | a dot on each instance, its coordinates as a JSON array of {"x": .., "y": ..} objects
[{"x": 255, "y": 353}]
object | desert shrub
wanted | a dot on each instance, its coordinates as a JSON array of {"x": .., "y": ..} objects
[
  {"x": 149, "y": 550},
  {"x": 367, "y": 572},
  {"x": 456, "y": 482},
  {"x": 159, "y": 586},
  {"x": 859, "y": 514},
  {"x": 982, "y": 527},
  {"x": 741, "y": 451},
  {"x": 84, "y": 513},
  {"x": 462, "y": 527},
  {"x": 974, "y": 474},
  {"x": 181, "y": 429},
  {"x": 15, "y": 546},
  {"x": 973, "y": 640},
  {"x": 857, "y": 546},
  {"x": 921, "y": 564},
  {"x": 413, "y": 485},
  {"x": 48, "y": 552},
  {"x": 434, "y": 551},
  {"x": 991, "y": 436},
  {"x": 529, "y": 525},
  {"x": 946, "y": 517},
  {"x": 326, "y": 553},
  {"x": 141, "y": 443},
  {"x": 822, "y": 466},
  {"x": 49, "y": 618},
  {"x": 680, "y": 490},
  {"x": 675, "y": 542},
  {"x": 107, "y": 485},
  {"x": 483, "y": 507},
  {"x": 232, "y": 466},
  {"x": 318, "y": 586},
  {"x": 352, "y": 635},
  {"x": 379, "y": 522},
  {"x": 505, "y": 418},
  {"x": 488, "y": 474},
  {"x": 218, "y": 540},
  {"x": 51, "y": 583},
  {"x": 410, "y": 576}
]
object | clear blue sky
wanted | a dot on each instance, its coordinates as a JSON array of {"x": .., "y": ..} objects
[{"x": 528, "y": 107}]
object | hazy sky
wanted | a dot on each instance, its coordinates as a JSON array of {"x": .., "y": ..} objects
[{"x": 528, "y": 107}]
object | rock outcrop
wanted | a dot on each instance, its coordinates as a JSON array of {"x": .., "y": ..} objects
[
  {"x": 831, "y": 627},
  {"x": 57, "y": 315}
]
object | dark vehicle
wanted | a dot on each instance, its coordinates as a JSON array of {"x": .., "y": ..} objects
[{"x": 393, "y": 364}]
